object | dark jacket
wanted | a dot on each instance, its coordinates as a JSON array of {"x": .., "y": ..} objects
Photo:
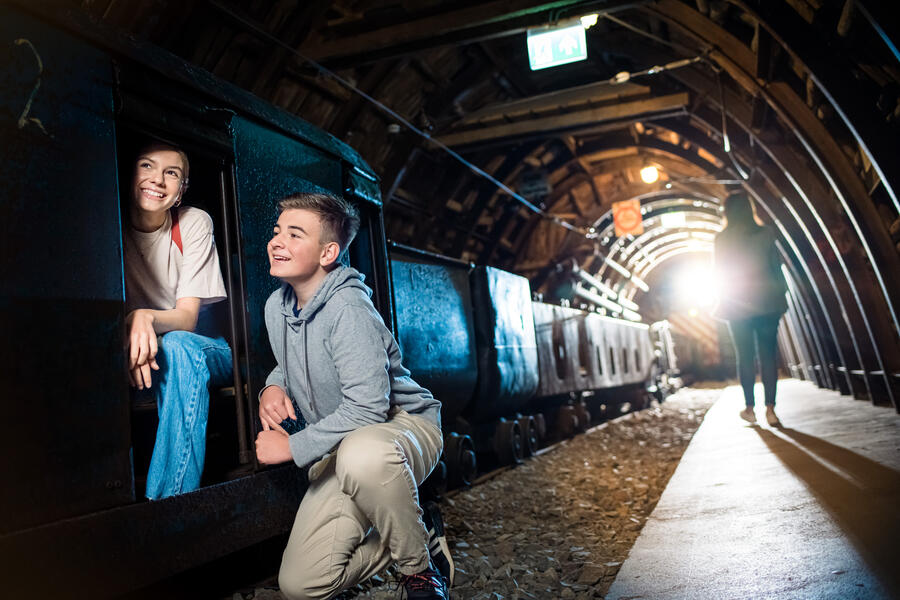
[{"x": 748, "y": 269}]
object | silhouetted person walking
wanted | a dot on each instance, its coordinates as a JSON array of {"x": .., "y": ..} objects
[{"x": 752, "y": 298}]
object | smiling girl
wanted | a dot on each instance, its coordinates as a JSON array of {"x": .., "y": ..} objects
[{"x": 171, "y": 274}]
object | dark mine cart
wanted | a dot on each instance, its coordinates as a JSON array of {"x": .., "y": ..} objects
[{"x": 75, "y": 102}]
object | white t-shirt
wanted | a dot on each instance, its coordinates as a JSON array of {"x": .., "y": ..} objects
[{"x": 156, "y": 272}]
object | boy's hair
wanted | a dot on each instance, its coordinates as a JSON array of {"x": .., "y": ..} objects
[{"x": 339, "y": 218}]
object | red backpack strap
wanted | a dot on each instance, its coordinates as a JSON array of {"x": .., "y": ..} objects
[{"x": 176, "y": 231}]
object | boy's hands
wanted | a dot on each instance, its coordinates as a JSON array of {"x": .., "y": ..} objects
[
  {"x": 142, "y": 348},
  {"x": 275, "y": 407},
  {"x": 272, "y": 447}
]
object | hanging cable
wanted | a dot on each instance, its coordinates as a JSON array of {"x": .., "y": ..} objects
[
  {"x": 726, "y": 142},
  {"x": 618, "y": 79},
  {"x": 394, "y": 115},
  {"x": 649, "y": 35}
]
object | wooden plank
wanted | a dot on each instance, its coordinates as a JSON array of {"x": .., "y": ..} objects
[
  {"x": 593, "y": 93},
  {"x": 478, "y": 22},
  {"x": 582, "y": 118}
]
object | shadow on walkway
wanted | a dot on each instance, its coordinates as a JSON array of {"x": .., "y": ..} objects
[{"x": 862, "y": 495}]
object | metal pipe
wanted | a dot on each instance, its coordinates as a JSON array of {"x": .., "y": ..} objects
[
  {"x": 617, "y": 267},
  {"x": 631, "y": 315},
  {"x": 598, "y": 299},
  {"x": 640, "y": 283},
  {"x": 787, "y": 351},
  {"x": 794, "y": 323},
  {"x": 240, "y": 401},
  {"x": 248, "y": 456},
  {"x": 803, "y": 306},
  {"x": 593, "y": 281},
  {"x": 626, "y": 303}
]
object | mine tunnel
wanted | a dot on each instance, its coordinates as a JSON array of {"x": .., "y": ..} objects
[{"x": 581, "y": 148}]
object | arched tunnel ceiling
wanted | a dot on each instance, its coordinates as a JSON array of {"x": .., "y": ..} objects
[{"x": 804, "y": 93}]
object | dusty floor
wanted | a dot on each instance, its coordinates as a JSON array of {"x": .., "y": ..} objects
[{"x": 560, "y": 525}]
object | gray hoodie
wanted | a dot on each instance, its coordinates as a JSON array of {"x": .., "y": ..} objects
[{"x": 339, "y": 363}]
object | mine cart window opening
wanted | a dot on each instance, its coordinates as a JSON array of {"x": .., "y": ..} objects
[
  {"x": 209, "y": 188},
  {"x": 599, "y": 359},
  {"x": 612, "y": 360},
  {"x": 560, "y": 354},
  {"x": 637, "y": 360},
  {"x": 624, "y": 360},
  {"x": 584, "y": 349}
]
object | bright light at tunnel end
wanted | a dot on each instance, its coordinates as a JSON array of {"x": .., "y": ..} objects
[{"x": 697, "y": 289}]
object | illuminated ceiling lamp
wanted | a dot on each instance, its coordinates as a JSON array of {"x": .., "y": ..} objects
[
  {"x": 588, "y": 21},
  {"x": 649, "y": 174}
]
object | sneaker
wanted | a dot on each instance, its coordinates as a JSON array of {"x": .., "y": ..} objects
[
  {"x": 426, "y": 585},
  {"x": 437, "y": 542},
  {"x": 772, "y": 418},
  {"x": 748, "y": 415}
]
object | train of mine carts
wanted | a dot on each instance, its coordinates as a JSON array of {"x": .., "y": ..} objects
[{"x": 514, "y": 373}]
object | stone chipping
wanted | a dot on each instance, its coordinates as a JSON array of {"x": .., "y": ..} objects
[{"x": 561, "y": 524}]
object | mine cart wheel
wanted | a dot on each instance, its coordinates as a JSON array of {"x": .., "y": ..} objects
[
  {"x": 508, "y": 443},
  {"x": 459, "y": 452},
  {"x": 435, "y": 485},
  {"x": 566, "y": 422},
  {"x": 584, "y": 417},
  {"x": 529, "y": 434},
  {"x": 655, "y": 385},
  {"x": 541, "y": 424}
]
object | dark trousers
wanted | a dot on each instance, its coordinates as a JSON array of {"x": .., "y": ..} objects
[{"x": 762, "y": 330}]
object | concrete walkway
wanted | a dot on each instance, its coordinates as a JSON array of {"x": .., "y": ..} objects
[{"x": 808, "y": 511}]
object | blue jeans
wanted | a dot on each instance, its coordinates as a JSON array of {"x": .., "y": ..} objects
[
  {"x": 188, "y": 364},
  {"x": 752, "y": 337}
]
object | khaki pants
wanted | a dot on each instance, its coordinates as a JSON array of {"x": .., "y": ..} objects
[{"x": 361, "y": 511}]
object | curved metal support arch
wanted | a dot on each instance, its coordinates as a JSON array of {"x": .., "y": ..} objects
[
  {"x": 671, "y": 240},
  {"x": 623, "y": 248},
  {"x": 830, "y": 91},
  {"x": 698, "y": 223},
  {"x": 676, "y": 251},
  {"x": 708, "y": 124},
  {"x": 807, "y": 234},
  {"x": 811, "y": 279},
  {"x": 851, "y": 283},
  {"x": 631, "y": 259},
  {"x": 790, "y": 119},
  {"x": 643, "y": 273},
  {"x": 802, "y": 303},
  {"x": 668, "y": 202},
  {"x": 659, "y": 200}
]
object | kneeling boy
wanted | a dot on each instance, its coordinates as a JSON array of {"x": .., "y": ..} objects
[{"x": 373, "y": 433}]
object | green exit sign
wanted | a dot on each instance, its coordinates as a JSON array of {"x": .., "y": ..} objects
[{"x": 554, "y": 47}]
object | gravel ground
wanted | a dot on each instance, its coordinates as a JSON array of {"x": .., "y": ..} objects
[{"x": 560, "y": 525}]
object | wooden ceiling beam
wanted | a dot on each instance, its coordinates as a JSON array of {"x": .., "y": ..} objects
[
  {"x": 556, "y": 101},
  {"x": 466, "y": 25},
  {"x": 588, "y": 118}
]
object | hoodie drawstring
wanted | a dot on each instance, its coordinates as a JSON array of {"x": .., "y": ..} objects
[{"x": 286, "y": 370}]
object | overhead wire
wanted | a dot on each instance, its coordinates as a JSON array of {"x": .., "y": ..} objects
[
  {"x": 655, "y": 38},
  {"x": 399, "y": 118},
  {"x": 620, "y": 78},
  {"x": 726, "y": 142}
]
